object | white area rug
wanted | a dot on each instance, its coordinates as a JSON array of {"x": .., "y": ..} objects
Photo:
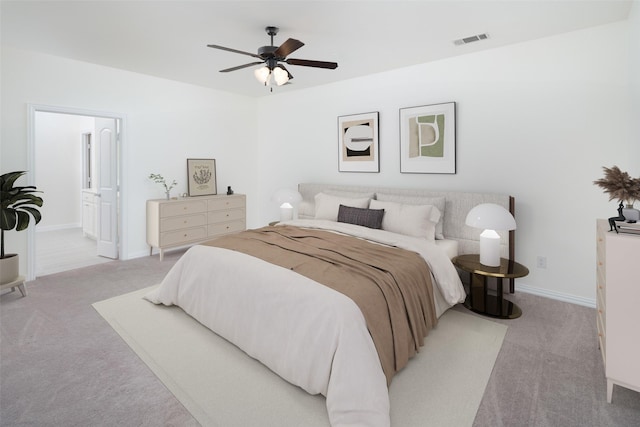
[{"x": 221, "y": 386}]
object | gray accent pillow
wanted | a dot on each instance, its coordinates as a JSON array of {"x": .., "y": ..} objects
[{"x": 371, "y": 218}]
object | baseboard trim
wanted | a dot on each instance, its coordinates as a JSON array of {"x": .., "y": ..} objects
[
  {"x": 40, "y": 229},
  {"x": 587, "y": 302}
]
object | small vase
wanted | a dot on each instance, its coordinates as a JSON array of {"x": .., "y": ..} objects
[
  {"x": 630, "y": 213},
  {"x": 168, "y": 194}
]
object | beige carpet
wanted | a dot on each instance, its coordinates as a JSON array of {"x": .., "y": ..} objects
[{"x": 221, "y": 386}]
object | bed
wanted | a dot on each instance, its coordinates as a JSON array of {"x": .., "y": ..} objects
[{"x": 341, "y": 298}]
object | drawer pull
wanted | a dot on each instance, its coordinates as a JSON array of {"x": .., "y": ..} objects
[
  {"x": 185, "y": 235},
  {"x": 185, "y": 221},
  {"x": 227, "y": 215}
]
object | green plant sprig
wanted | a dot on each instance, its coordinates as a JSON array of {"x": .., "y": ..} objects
[{"x": 159, "y": 179}]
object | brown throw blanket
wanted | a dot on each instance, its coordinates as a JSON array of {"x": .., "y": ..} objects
[{"x": 391, "y": 286}]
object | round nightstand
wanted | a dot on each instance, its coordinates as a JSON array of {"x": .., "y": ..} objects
[{"x": 479, "y": 300}]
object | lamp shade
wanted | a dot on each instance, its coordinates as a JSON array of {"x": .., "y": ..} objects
[
  {"x": 286, "y": 195},
  {"x": 490, "y": 216},
  {"x": 280, "y": 75},
  {"x": 263, "y": 74}
]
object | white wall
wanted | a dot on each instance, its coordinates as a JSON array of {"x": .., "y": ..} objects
[
  {"x": 165, "y": 123},
  {"x": 634, "y": 59},
  {"x": 535, "y": 120},
  {"x": 59, "y": 165}
]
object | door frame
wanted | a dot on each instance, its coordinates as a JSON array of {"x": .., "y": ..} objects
[{"x": 32, "y": 109}]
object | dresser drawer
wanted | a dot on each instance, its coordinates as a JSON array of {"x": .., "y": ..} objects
[
  {"x": 601, "y": 309},
  {"x": 180, "y": 222},
  {"x": 225, "y": 215},
  {"x": 602, "y": 342},
  {"x": 225, "y": 228},
  {"x": 179, "y": 237},
  {"x": 226, "y": 203},
  {"x": 601, "y": 291},
  {"x": 182, "y": 208}
]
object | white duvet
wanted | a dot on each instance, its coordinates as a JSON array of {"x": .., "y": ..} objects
[{"x": 310, "y": 335}]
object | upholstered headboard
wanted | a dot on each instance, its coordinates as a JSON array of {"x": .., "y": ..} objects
[{"x": 456, "y": 207}]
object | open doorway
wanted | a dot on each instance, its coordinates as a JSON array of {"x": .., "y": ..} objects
[{"x": 75, "y": 159}]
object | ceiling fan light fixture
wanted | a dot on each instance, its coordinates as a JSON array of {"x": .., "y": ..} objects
[
  {"x": 263, "y": 74},
  {"x": 280, "y": 75}
]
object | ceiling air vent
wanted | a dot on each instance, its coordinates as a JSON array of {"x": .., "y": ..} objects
[{"x": 471, "y": 39}]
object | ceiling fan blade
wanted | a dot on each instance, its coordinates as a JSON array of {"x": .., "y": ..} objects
[
  {"x": 287, "y": 48},
  {"x": 228, "y": 49},
  {"x": 309, "y": 63},
  {"x": 239, "y": 67}
]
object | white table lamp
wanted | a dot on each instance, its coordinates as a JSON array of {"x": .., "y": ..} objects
[
  {"x": 286, "y": 198},
  {"x": 490, "y": 217}
]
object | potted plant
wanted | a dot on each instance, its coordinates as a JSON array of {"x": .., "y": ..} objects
[
  {"x": 18, "y": 205},
  {"x": 159, "y": 179},
  {"x": 619, "y": 185}
]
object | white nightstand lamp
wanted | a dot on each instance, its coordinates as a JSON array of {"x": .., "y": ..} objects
[
  {"x": 490, "y": 217},
  {"x": 286, "y": 198}
]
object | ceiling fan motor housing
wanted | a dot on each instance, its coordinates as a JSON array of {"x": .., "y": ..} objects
[{"x": 267, "y": 51}]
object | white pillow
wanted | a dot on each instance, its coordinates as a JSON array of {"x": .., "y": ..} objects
[
  {"x": 327, "y": 206},
  {"x": 411, "y": 220},
  {"x": 438, "y": 202}
]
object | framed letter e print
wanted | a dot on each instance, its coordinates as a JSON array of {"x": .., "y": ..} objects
[
  {"x": 428, "y": 139},
  {"x": 358, "y": 148},
  {"x": 201, "y": 176}
]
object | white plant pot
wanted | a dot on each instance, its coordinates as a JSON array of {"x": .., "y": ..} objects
[
  {"x": 9, "y": 268},
  {"x": 631, "y": 214}
]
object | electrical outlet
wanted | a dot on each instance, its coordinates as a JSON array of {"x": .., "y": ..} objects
[{"x": 541, "y": 262}]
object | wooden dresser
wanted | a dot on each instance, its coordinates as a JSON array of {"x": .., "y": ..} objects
[
  {"x": 181, "y": 222},
  {"x": 617, "y": 296}
]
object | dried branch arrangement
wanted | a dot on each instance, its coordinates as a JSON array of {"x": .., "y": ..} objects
[{"x": 619, "y": 185}]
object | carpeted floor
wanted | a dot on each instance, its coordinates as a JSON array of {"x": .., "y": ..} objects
[{"x": 62, "y": 364}]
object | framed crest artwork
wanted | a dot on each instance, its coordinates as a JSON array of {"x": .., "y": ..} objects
[
  {"x": 428, "y": 139},
  {"x": 201, "y": 177},
  {"x": 358, "y": 144}
]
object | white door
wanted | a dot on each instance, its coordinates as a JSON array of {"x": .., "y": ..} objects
[{"x": 106, "y": 140}]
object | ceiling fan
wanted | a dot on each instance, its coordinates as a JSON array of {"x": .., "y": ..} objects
[{"x": 272, "y": 58}]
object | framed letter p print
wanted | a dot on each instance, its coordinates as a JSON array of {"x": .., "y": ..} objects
[
  {"x": 358, "y": 148},
  {"x": 428, "y": 139}
]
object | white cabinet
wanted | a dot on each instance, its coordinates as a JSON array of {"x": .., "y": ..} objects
[
  {"x": 89, "y": 214},
  {"x": 180, "y": 222},
  {"x": 618, "y": 317}
]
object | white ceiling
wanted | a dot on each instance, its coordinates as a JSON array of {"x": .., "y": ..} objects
[{"x": 168, "y": 38}]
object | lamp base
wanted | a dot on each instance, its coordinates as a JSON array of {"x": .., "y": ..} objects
[
  {"x": 492, "y": 306},
  {"x": 490, "y": 248},
  {"x": 286, "y": 212}
]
